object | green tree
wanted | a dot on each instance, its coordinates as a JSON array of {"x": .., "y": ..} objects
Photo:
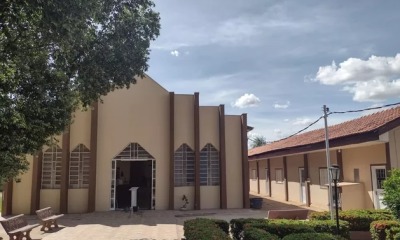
[
  {"x": 258, "y": 141},
  {"x": 58, "y": 55},
  {"x": 391, "y": 195}
]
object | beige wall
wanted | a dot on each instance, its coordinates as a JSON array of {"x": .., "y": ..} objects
[
  {"x": 293, "y": 165},
  {"x": 262, "y": 165},
  {"x": 178, "y": 194},
  {"x": 210, "y": 197},
  {"x": 253, "y": 181},
  {"x": 350, "y": 196},
  {"x": 233, "y": 162},
  {"x": 80, "y": 129},
  {"x": 123, "y": 120},
  {"x": 184, "y": 120},
  {"x": 319, "y": 194},
  {"x": 23, "y": 189},
  {"x": 50, "y": 198},
  {"x": 278, "y": 189},
  {"x": 362, "y": 158},
  {"x": 209, "y": 126},
  {"x": 394, "y": 146},
  {"x": 77, "y": 200}
]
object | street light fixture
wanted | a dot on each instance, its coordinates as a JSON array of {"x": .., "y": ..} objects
[{"x": 334, "y": 171}]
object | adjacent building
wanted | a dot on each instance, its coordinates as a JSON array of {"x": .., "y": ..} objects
[
  {"x": 295, "y": 169},
  {"x": 162, "y": 143}
]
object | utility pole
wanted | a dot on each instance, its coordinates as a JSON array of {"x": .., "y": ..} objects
[{"x": 328, "y": 161}]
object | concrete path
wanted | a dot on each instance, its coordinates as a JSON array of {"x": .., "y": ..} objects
[{"x": 158, "y": 224}]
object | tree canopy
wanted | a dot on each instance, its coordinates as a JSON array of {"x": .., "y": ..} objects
[
  {"x": 58, "y": 55},
  {"x": 258, "y": 141}
]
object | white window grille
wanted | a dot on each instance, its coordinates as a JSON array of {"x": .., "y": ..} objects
[
  {"x": 279, "y": 175},
  {"x": 323, "y": 177},
  {"x": 209, "y": 166},
  {"x": 79, "y": 167},
  {"x": 51, "y": 168},
  {"x": 184, "y": 166}
]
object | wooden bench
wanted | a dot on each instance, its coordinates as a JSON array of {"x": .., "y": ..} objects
[
  {"x": 299, "y": 214},
  {"x": 47, "y": 218},
  {"x": 17, "y": 227}
]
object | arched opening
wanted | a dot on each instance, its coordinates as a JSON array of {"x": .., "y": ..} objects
[{"x": 133, "y": 168}]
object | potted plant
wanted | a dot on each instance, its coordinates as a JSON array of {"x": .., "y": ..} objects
[{"x": 185, "y": 202}]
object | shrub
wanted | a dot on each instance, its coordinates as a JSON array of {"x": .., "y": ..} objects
[
  {"x": 258, "y": 234},
  {"x": 204, "y": 229},
  {"x": 391, "y": 195},
  {"x": 224, "y": 225},
  {"x": 384, "y": 229},
  {"x": 282, "y": 227},
  {"x": 238, "y": 224},
  {"x": 310, "y": 236},
  {"x": 329, "y": 226},
  {"x": 359, "y": 220}
]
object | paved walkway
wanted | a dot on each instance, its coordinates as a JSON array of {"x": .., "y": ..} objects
[{"x": 158, "y": 224}]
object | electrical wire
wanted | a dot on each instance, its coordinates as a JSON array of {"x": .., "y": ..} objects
[
  {"x": 366, "y": 109},
  {"x": 300, "y": 131},
  {"x": 329, "y": 113}
]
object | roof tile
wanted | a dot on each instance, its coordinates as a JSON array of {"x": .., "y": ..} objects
[{"x": 356, "y": 126}]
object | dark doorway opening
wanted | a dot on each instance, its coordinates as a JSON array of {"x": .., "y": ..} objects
[{"x": 134, "y": 174}]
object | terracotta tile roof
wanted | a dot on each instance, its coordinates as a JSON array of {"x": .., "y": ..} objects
[{"x": 356, "y": 126}]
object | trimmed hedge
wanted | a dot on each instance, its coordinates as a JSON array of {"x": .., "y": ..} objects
[
  {"x": 329, "y": 226},
  {"x": 310, "y": 236},
  {"x": 237, "y": 225},
  {"x": 284, "y": 227},
  {"x": 224, "y": 225},
  {"x": 205, "y": 229},
  {"x": 384, "y": 229},
  {"x": 258, "y": 234},
  {"x": 359, "y": 220}
]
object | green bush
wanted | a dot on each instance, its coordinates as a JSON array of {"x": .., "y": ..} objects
[
  {"x": 237, "y": 225},
  {"x": 384, "y": 229},
  {"x": 258, "y": 234},
  {"x": 224, "y": 225},
  {"x": 204, "y": 229},
  {"x": 310, "y": 236},
  {"x": 359, "y": 220},
  {"x": 329, "y": 226},
  {"x": 391, "y": 195},
  {"x": 282, "y": 227}
]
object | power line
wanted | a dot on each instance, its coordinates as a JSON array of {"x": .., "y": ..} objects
[
  {"x": 366, "y": 109},
  {"x": 302, "y": 130},
  {"x": 334, "y": 112}
]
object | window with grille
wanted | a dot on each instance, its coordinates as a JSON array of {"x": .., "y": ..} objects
[
  {"x": 184, "y": 166},
  {"x": 133, "y": 151},
  {"x": 209, "y": 166},
  {"x": 279, "y": 175},
  {"x": 79, "y": 166},
  {"x": 51, "y": 168},
  {"x": 323, "y": 177}
]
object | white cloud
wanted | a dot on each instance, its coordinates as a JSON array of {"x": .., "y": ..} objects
[
  {"x": 175, "y": 53},
  {"x": 302, "y": 121},
  {"x": 286, "y": 120},
  {"x": 247, "y": 100},
  {"x": 372, "y": 80},
  {"x": 277, "y": 131},
  {"x": 282, "y": 106}
]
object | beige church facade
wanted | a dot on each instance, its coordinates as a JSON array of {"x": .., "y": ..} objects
[{"x": 163, "y": 144}]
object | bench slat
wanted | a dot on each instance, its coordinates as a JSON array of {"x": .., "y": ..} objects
[{"x": 24, "y": 229}]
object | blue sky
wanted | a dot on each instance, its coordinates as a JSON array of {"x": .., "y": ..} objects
[{"x": 280, "y": 61}]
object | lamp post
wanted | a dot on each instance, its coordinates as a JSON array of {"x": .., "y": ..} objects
[{"x": 335, "y": 174}]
